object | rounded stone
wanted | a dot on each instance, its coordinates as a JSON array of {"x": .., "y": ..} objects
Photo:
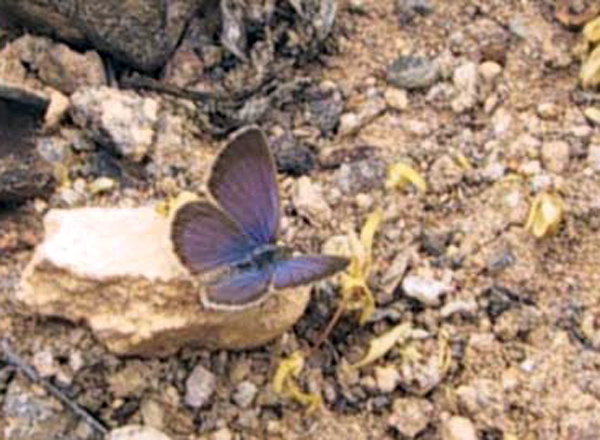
[{"x": 115, "y": 269}]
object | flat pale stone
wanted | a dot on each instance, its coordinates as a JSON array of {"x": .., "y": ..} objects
[{"x": 114, "y": 269}]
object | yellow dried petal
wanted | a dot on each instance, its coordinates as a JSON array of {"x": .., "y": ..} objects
[
  {"x": 545, "y": 215},
  {"x": 284, "y": 383},
  {"x": 357, "y": 296},
  {"x": 401, "y": 174},
  {"x": 590, "y": 70},
  {"x": 168, "y": 207},
  {"x": 379, "y": 346},
  {"x": 591, "y": 31},
  {"x": 355, "y": 291},
  {"x": 463, "y": 161},
  {"x": 369, "y": 229}
]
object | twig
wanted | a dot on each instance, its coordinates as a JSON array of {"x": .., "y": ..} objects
[
  {"x": 332, "y": 322},
  {"x": 15, "y": 360}
]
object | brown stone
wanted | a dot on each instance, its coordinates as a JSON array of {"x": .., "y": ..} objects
[{"x": 115, "y": 270}]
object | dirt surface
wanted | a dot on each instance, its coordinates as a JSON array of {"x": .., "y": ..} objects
[{"x": 520, "y": 318}]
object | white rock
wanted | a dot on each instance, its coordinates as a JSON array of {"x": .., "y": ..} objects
[
  {"x": 593, "y": 157},
  {"x": 122, "y": 119},
  {"x": 424, "y": 289},
  {"x": 465, "y": 81},
  {"x": 396, "y": 98},
  {"x": 489, "y": 70},
  {"x": 115, "y": 269},
  {"x": 199, "y": 387},
  {"x": 309, "y": 202},
  {"x": 458, "y": 428},
  {"x": 222, "y": 434},
  {"x": 44, "y": 363},
  {"x": 387, "y": 378},
  {"x": 555, "y": 156},
  {"x": 137, "y": 432},
  {"x": 244, "y": 394},
  {"x": 410, "y": 416}
]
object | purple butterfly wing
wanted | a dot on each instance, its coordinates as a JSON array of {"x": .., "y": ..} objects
[
  {"x": 306, "y": 269},
  {"x": 240, "y": 289},
  {"x": 244, "y": 183},
  {"x": 205, "y": 238}
]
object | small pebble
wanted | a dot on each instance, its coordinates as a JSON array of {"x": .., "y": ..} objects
[
  {"x": 555, "y": 156},
  {"x": 152, "y": 413},
  {"x": 244, "y": 394},
  {"x": 222, "y": 434},
  {"x": 425, "y": 290},
  {"x": 458, "y": 428},
  {"x": 136, "y": 432},
  {"x": 387, "y": 378},
  {"x": 309, "y": 202},
  {"x": 44, "y": 364},
  {"x": 357, "y": 6},
  {"x": 467, "y": 307},
  {"x": 410, "y": 416},
  {"x": 592, "y": 114},
  {"x": 408, "y": 10},
  {"x": 465, "y": 79},
  {"x": 396, "y": 98},
  {"x": 199, "y": 387},
  {"x": 70, "y": 197},
  {"x": 102, "y": 185},
  {"x": 364, "y": 201},
  {"x": 593, "y": 157},
  {"x": 548, "y": 111},
  {"x": 408, "y": 72},
  {"x": 489, "y": 71}
]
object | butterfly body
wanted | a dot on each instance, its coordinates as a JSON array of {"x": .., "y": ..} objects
[
  {"x": 231, "y": 244},
  {"x": 264, "y": 257}
]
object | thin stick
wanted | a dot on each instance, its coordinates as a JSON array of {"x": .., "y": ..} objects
[
  {"x": 332, "y": 322},
  {"x": 15, "y": 360}
]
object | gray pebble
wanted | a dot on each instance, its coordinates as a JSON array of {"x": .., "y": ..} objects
[
  {"x": 458, "y": 428},
  {"x": 594, "y": 157},
  {"x": 199, "y": 387},
  {"x": 244, "y": 394},
  {"x": 410, "y": 416},
  {"x": 425, "y": 290},
  {"x": 409, "y": 72},
  {"x": 555, "y": 156}
]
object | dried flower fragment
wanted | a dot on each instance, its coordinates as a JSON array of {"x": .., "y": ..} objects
[
  {"x": 401, "y": 174},
  {"x": 169, "y": 206},
  {"x": 545, "y": 215},
  {"x": 379, "y": 346},
  {"x": 284, "y": 382},
  {"x": 355, "y": 290}
]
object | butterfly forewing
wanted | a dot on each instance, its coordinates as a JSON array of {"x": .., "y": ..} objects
[
  {"x": 205, "y": 238},
  {"x": 240, "y": 289},
  {"x": 243, "y": 182},
  {"x": 306, "y": 269}
]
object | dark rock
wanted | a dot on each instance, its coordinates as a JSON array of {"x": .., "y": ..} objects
[
  {"x": 409, "y": 72},
  {"x": 23, "y": 174},
  {"x": 361, "y": 176},
  {"x": 29, "y": 415},
  {"x": 291, "y": 156},
  {"x": 59, "y": 66},
  {"x": 408, "y": 10},
  {"x": 142, "y": 34},
  {"x": 325, "y": 106}
]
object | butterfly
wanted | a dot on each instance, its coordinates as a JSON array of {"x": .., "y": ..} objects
[{"x": 232, "y": 243}]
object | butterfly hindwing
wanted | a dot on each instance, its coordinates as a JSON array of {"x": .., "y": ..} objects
[
  {"x": 205, "y": 238},
  {"x": 244, "y": 183},
  {"x": 240, "y": 289},
  {"x": 306, "y": 269}
]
